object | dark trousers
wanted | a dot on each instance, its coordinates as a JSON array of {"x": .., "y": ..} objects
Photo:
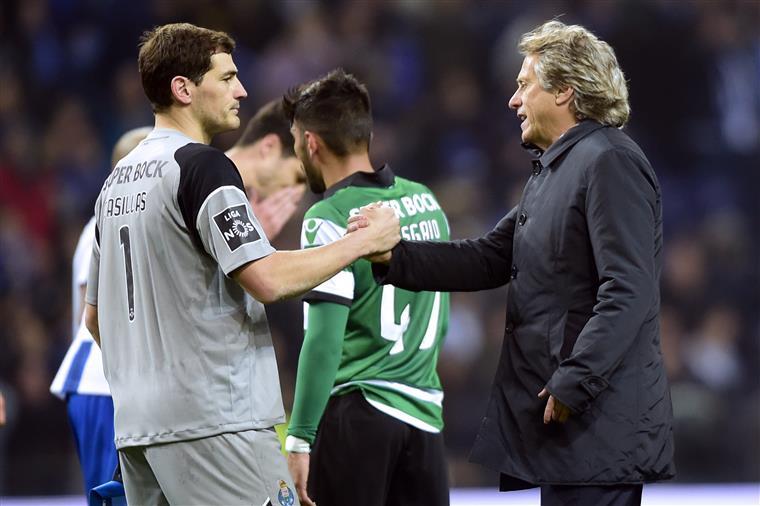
[
  {"x": 572, "y": 495},
  {"x": 362, "y": 456}
]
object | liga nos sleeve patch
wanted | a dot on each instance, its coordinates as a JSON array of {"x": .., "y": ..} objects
[{"x": 236, "y": 226}]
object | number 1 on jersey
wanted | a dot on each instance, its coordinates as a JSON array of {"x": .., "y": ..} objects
[{"x": 124, "y": 241}]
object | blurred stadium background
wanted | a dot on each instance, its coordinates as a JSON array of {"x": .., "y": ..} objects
[{"x": 440, "y": 73}]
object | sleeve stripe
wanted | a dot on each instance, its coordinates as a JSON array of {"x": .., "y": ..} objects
[
  {"x": 315, "y": 296},
  {"x": 210, "y": 195}
]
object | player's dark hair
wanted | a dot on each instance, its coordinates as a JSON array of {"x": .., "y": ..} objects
[
  {"x": 177, "y": 49},
  {"x": 336, "y": 107},
  {"x": 270, "y": 119}
]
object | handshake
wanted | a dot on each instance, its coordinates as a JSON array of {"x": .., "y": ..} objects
[{"x": 378, "y": 229}]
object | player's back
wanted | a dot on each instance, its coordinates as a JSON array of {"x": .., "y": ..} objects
[
  {"x": 187, "y": 353},
  {"x": 392, "y": 336}
]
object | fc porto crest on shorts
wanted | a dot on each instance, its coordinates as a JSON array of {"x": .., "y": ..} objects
[
  {"x": 285, "y": 495},
  {"x": 236, "y": 227}
]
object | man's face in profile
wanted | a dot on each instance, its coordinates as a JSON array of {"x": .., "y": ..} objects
[
  {"x": 217, "y": 97},
  {"x": 313, "y": 173}
]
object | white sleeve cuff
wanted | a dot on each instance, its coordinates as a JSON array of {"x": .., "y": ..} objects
[{"x": 296, "y": 445}]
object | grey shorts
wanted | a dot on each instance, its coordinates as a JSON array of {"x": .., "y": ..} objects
[{"x": 228, "y": 469}]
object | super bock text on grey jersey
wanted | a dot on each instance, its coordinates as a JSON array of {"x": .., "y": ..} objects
[
  {"x": 121, "y": 174},
  {"x": 129, "y": 173}
]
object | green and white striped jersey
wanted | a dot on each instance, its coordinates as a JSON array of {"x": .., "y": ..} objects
[{"x": 392, "y": 336}]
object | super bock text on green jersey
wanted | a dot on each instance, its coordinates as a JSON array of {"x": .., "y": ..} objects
[{"x": 392, "y": 336}]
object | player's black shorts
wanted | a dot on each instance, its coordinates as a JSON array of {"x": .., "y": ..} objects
[{"x": 363, "y": 456}]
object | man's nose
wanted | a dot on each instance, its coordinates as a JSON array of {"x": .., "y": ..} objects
[
  {"x": 514, "y": 101},
  {"x": 241, "y": 93}
]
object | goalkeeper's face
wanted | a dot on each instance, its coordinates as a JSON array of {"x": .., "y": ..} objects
[{"x": 216, "y": 99}]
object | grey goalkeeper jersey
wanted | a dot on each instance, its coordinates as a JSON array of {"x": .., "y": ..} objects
[{"x": 187, "y": 353}]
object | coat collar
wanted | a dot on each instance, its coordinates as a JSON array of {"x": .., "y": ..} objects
[
  {"x": 381, "y": 178},
  {"x": 568, "y": 140}
]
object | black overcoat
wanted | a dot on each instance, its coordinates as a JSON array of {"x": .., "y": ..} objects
[{"x": 581, "y": 256}]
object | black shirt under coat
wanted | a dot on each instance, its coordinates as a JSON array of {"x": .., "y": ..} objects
[{"x": 581, "y": 256}]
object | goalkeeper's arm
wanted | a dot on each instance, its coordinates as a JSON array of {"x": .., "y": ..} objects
[{"x": 317, "y": 367}]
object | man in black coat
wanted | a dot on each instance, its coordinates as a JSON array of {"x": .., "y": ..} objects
[{"x": 580, "y": 404}]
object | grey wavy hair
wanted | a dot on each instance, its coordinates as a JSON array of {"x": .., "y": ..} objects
[{"x": 571, "y": 56}]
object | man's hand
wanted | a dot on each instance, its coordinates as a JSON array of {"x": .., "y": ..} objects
[
  {"x": 555, "y": 410},
  {"x": 356, "y": 222},
  {"x": 275, "y": 210},
  {"x": 381, "y": 224},
  {"x": 298, "y": 465},
  {"x": 359, "y": 221}
]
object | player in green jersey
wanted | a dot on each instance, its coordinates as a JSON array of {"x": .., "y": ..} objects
[{"x": 368, "y": 398}]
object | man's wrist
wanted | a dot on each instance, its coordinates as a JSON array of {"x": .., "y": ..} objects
[
  {"x": 295, "y": 444},
  {"x": 356, "y": 245}
]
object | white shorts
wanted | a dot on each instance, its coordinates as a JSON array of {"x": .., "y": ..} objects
[{"x": 235, "y": 468}]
